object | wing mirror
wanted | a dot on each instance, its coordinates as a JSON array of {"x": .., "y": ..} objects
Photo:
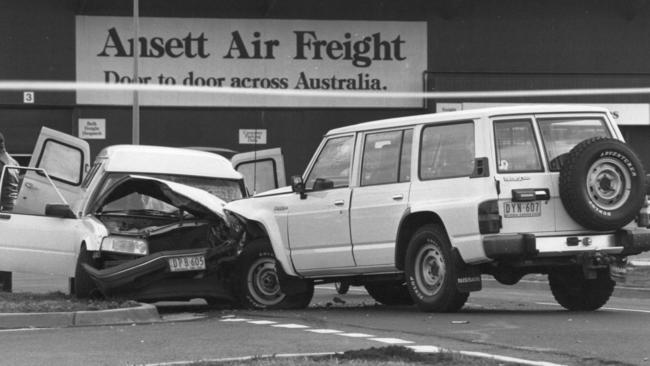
[
  {"x": 59, "y": 210},
  {"x": 298, "y": 186}
]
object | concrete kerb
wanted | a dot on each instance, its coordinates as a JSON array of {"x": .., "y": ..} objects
[{"x": 145, "y": 313}]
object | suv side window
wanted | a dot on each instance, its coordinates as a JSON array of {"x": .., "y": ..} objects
[
  {"x": 332, "y": 167},
  {"x": 386, "y": 157},
  {"x": 516, "y": 147},
  {"x": 447, "y": 151}
]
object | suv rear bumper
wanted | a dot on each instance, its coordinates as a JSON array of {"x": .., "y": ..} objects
[{"x": 521, "y": 246}]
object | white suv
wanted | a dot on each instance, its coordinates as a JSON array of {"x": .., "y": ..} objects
[{"x": 417, "y": 208}]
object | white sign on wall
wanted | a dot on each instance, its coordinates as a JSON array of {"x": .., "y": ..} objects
[
  {"x": 92, "y": 128},
  {"x": 273, "y": 54},
  {"x": 625, "y": 114},
  {"x": 252, "y": 136}
]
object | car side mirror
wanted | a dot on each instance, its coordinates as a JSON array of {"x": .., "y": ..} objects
[
  {"x": 298, "y": 186},
  {"x": 59, "y": 210},
  {"x": 321, "y": 184}
]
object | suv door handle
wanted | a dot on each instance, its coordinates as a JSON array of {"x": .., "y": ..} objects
[
  {"x": 531, "y": 194},
  {"x": 398, "y": 197},
  {"x": 339, "y": 203}
]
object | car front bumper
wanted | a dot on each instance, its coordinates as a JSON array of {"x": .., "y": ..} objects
[{"x": 151, "y": 278}]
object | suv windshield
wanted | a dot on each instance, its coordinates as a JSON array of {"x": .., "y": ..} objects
[{"x": 560, "y": 135}]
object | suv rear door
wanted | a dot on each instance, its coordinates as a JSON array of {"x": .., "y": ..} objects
[
  {"x": 524, "y": 185},
  {"x": 66, "y": 159}
]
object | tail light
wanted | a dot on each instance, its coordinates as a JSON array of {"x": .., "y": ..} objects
[{"x": 489, "y": 220}]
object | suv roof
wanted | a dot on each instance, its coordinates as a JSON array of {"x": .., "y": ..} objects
[
  {"x": 467, "y": 114},
  {"x": 169, "y": 160}
]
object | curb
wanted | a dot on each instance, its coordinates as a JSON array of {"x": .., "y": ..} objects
[{"x": 145, "y": 313}]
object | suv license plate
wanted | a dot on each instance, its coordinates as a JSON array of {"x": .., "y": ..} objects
[
  {"x": 522, "y": 209},
  {"x": 186, "y": 263}
]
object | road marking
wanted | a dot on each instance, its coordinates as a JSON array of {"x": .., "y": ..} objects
[
  {"x": 425, "y": 349},
  {"x": 615, "y": 309},
  {"x": 234, "y": 320},
  {"x": 516, "y": 360},
  {"x": 290, "y": 326},
  {"x": 332, "y": 288},
  {"x": 355, "y": 335},
  {"x": 391, "y": 340},
  {"x": 262, "y": 322},
  {"x": 324, "y": 331}
]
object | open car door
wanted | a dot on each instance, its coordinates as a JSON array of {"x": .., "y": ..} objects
[
  {"x": 66, "y": 159},
  {"x": 263, "y": 170}
]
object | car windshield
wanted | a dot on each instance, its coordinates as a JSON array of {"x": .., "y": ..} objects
[
  {"x": 226, "y": 189},
  {"x": 560, "y": 135}
]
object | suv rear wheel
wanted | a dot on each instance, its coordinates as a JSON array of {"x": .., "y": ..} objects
[
  {"x": 431, "y": 273},
  {"x": 574, "y": 292},
  {"x": 602, "y": 184},
  {"x": 258, "y": 281}
]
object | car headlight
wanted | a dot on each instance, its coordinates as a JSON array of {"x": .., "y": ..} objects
[{"x": 125, "y": 244}]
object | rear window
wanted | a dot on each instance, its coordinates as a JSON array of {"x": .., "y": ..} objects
[{"x": 560, "y": 135}]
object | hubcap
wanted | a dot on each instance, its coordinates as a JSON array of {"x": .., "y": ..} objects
[
  {"x": 430, "y": 269},
  {"x": 608, "y": 183},
  {"x": 263, "y": 282}
]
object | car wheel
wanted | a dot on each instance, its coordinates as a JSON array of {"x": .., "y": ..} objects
[
  {"x": 258, "y": 281},
  {"x": 602, "y": 184},
  {"x": 84, "y": 286},
  {"x": 431, "y": 273},
  {"x": 390, "y": 293},
  {"x": 574, "y": 292},
  {"x": 342, "y": 287}
]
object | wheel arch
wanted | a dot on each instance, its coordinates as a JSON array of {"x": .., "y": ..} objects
[
  {"x": 258, "y": 229},
  {"x": 410, "y": 222}
]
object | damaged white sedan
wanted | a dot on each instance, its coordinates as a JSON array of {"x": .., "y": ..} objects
[{"x": 143, "y": 222}]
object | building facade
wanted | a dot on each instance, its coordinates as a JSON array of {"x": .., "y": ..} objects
[{"x": 308, "y": 46}]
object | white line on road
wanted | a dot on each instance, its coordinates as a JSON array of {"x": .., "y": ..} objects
[
  {"x": 235, "y": 320},
  {"x": 615, "y": 309},
  {"x": 391, "y": 340},
  {"x": 324, "y": 331},
  {"x": 332, "y": 288},
  {"x": 355, "y": 335},
  {"x": 262, "y": 322},
  {"x": 290, "y": 326}
]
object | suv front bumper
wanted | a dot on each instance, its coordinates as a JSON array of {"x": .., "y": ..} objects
[{"x": 525, "y": 246}]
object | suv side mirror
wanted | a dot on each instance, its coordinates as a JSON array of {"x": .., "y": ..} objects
[
  {"x": 298, "y": 186},
  {"x": 59, "y": 210}
]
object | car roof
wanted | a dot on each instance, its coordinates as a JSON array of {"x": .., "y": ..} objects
[
  {"x": 166, "y": 160},
  {"x": 466, "y": 115}
]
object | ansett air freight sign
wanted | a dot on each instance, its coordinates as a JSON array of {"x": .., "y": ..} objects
[{"x": 368, "y": 56}]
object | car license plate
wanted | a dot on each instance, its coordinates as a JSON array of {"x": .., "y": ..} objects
[
  {"x": 186, "y": 263},
  {"x": 522, "y": 209}
]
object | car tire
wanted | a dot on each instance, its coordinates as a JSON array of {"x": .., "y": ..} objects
[
  {"x": 258, "y": 280},
  {"x": 390, "y": 293},
  {"x": 576, "y": 293},
  {"x": 602, "y": 184},
  {"x": 342, "y": 287},
  {"x": 431, "y": 273},
  {"x": 84, "y": 286}
]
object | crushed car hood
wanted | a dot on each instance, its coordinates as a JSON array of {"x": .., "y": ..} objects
[{"x": 198, "y": 202}]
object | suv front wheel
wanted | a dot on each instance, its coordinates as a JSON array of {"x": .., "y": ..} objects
[
  {"x": 258, "y": 281},
  {"x": 431, "y": 273}
]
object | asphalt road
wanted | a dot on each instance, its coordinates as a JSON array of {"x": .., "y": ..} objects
[{"x": 511, "y": 321}]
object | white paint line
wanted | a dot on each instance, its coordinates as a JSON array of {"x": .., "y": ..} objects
[
  {"x": 22, "y": 330},
  {"x": 290, "y": 326},
  {"x": 425, "y": 349},
  {"x": 243, "y": 358},
  {"x": 324, "y": 331},
  {"x": 356, "y": 335},
  {"x": 391, "y": 340},
  {"x": 607, "y": 308},
  {"x": 351, "y": 289},
  {"x": 262, "y": 322},
  {"x": 234, "y": 320},
  {"x": 519, "y": 361}
]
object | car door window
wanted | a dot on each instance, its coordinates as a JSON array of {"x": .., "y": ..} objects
[
  {"x": 259, "y": 175},
  {"x": 332, "y": 167},
  {"x": 62, "y": 162},
  {"x": 516, "y": 147},
  {"x": 383, "y": 157},
  {"x": 447, "y": 151}
]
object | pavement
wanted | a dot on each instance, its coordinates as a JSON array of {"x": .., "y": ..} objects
[{"x": 637, "y": 285}]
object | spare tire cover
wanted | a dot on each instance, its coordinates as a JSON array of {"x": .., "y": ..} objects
[{"x": 602, "y": 184}]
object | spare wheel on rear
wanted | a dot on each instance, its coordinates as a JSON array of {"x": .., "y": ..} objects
[{"x": 602, "y": 184}]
